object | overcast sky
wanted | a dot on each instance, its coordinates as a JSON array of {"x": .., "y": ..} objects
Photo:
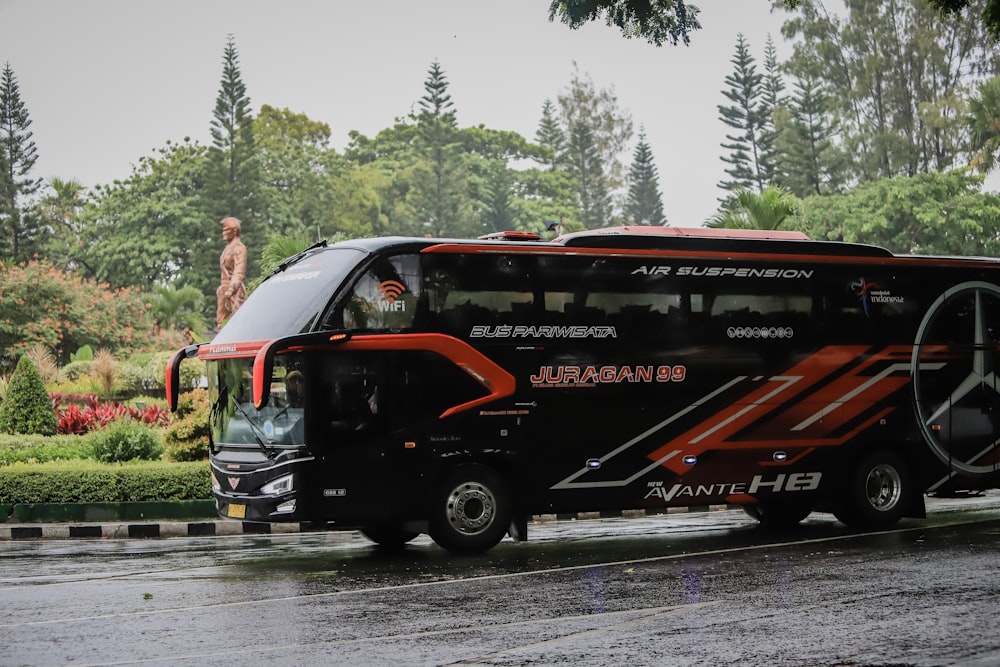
[{"x": 108, "y": 81}]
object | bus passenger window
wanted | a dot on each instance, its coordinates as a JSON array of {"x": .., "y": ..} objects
[{"x": 384, "y": 298}]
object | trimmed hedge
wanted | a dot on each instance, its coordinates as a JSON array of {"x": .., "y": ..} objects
[{"x": 91, "y": 482}]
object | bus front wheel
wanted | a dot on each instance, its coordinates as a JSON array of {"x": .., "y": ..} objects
[
  {"x": 877, "y": 492},
  {"x": 470, "y": 510}
]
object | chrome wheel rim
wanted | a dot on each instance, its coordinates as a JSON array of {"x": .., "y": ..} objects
[
  {"x": 883, "y": 487},
  {"x": 471, "y": 508}
]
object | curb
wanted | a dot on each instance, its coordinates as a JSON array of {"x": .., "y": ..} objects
[{"x": 170, "y": 527}]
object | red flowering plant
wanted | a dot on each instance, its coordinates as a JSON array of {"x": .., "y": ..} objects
[
  {"x": 97, "y": 414},
  {"x": 65, "y": 311}
]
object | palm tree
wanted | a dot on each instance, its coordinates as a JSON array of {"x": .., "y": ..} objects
[
  {"x": 180, "y": 309},
  {"x": 748, "y": 210},
  {"x": 984, "y": 126}
]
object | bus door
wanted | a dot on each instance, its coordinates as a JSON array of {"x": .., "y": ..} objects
[{"x": 955, "y": 366}]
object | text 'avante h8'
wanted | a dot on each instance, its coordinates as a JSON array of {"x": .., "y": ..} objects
[{"x": 458, "y": 387}]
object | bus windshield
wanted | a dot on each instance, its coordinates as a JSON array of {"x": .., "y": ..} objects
[{"x": 291, "y": 301}]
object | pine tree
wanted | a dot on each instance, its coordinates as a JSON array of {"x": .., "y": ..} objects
[
  {"x": 234, "y": 171},
  {"x": 27, "y": 407},
  {"x": 772, "y": 100},
  {"x": 441, "y": 193},
  {"x": 583, "y": 161},
  {"x": 809, "y": 162},
  {"x": 17, "y": 157},
  {"x": 644, "y": 205},
  {"x": 550, "y": 135},
  {"x": 744, "y": 117}
]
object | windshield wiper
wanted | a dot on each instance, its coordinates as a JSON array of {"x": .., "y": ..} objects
[
  {"x": 296, "y": 257},
  {"x": 256, "y": 430}
]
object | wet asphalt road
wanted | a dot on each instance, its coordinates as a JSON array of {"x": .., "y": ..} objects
[{"x": 687, "y": 589}]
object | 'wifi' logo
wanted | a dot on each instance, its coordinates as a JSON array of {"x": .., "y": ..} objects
[{"x": 391, "y": 289}]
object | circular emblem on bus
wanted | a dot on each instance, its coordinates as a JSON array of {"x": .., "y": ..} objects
[{"x": 955, "y": 383}]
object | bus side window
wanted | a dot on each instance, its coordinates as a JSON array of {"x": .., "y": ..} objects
[
  {"x": 465, "y": 291},
  {"x": 386, "y": 297}
]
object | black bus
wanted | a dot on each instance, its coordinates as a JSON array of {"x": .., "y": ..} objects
[{"x": 459, "y": 387}]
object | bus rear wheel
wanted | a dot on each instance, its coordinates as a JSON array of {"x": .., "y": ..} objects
[
  {"x": 878, "y": 492},
  {"x": 471, "y": 509},
  {"x": 389, "y": 535}
]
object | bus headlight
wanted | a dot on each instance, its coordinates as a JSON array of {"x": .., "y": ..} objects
[
  {"x": 215, "y": 483},
  {"x": 278, "y": 486}
]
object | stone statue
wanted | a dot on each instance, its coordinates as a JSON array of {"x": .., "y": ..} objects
[{"x": 231, "y": 292}]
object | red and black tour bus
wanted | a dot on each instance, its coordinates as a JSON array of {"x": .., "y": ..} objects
[{"x": 459, "y": 387}]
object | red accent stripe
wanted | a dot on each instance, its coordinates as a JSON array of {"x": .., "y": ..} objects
[{"x": 484, "y": 370}]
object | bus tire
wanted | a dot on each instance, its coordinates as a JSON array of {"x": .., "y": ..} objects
[
  {"x": 389, "y": 535},
  {"x": 778, "y": 514},
  {"x": 878, "y": 492},
  {"x": 471, "y": 509}
]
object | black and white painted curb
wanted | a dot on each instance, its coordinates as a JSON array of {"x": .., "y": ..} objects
[{"x": 222, "y": 527}]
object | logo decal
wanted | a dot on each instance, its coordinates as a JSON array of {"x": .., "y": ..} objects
[
  {"x": 391, "y": 289},
  {"x": 233, "y": 482},
  {"x": 861, "y": 288},
  {"x": 955, "y": 411}
]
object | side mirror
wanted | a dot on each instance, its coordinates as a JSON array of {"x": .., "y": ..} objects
[
  {"x": 173, "y": 379},
  {"x": 263, "y": 363}
]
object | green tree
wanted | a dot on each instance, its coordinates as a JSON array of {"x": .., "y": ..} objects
[
  {"x": 233, "y": 178},
  {"x": 550, "y": 135},
  {"x": 440, "y": 195},
  {"x": 301, "y": 177},
  {"x": 610, "y": 128},
  {"x": 984, "y": 125},
  {"x": 657, "y": 21},
  {"x": 27, "y": 408},
  {"x": 180, "y": 309},
  {"x": 59, "y": 210},
  {"x": 644, "y": 205},
  {"x": 745, "y": 116},
  {"x": 584, "y": 165},
  {"x": 900, "y": 71},
  {"x": 772, "y": 103},
  {"x": 64, "y": 311},
  {"x": 18, "y": 155},
  {"x": 938, "y": 213},
  {"x": 155, "y": 227},
  {"x": 769, "y": 209},
  {"x": 809, "y": 162},
  {"x": 989, "y": 12}
]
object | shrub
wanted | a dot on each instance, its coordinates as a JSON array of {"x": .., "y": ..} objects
[
  {"x": 186, "y": 439},
  {"x": 27, "y": 407},
  {"x": 92, "y": 482},
  {"x": 96, "y": 414},
  {"x": 65, "y": 311},
  {"x": 75, "y": 370},
  {"x": 42, "y": 448},
  {"x": 127, "y": 440}
]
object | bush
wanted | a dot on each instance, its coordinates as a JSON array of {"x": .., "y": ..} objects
[
  {"x": 39, "y": 448},
  {"x": 27, "y": 407},
  {"x": 127, "y": 440},
  {"x": 65, "y": 311},
  {"x": 97, "y": 414},
  {"x": 75, "y": 370},
  {"x": 91, "y": 482},
  {"x": 186, "y": 439}
]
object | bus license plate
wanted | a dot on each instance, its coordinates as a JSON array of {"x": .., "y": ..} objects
[{"x": 237, "y": 511}]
